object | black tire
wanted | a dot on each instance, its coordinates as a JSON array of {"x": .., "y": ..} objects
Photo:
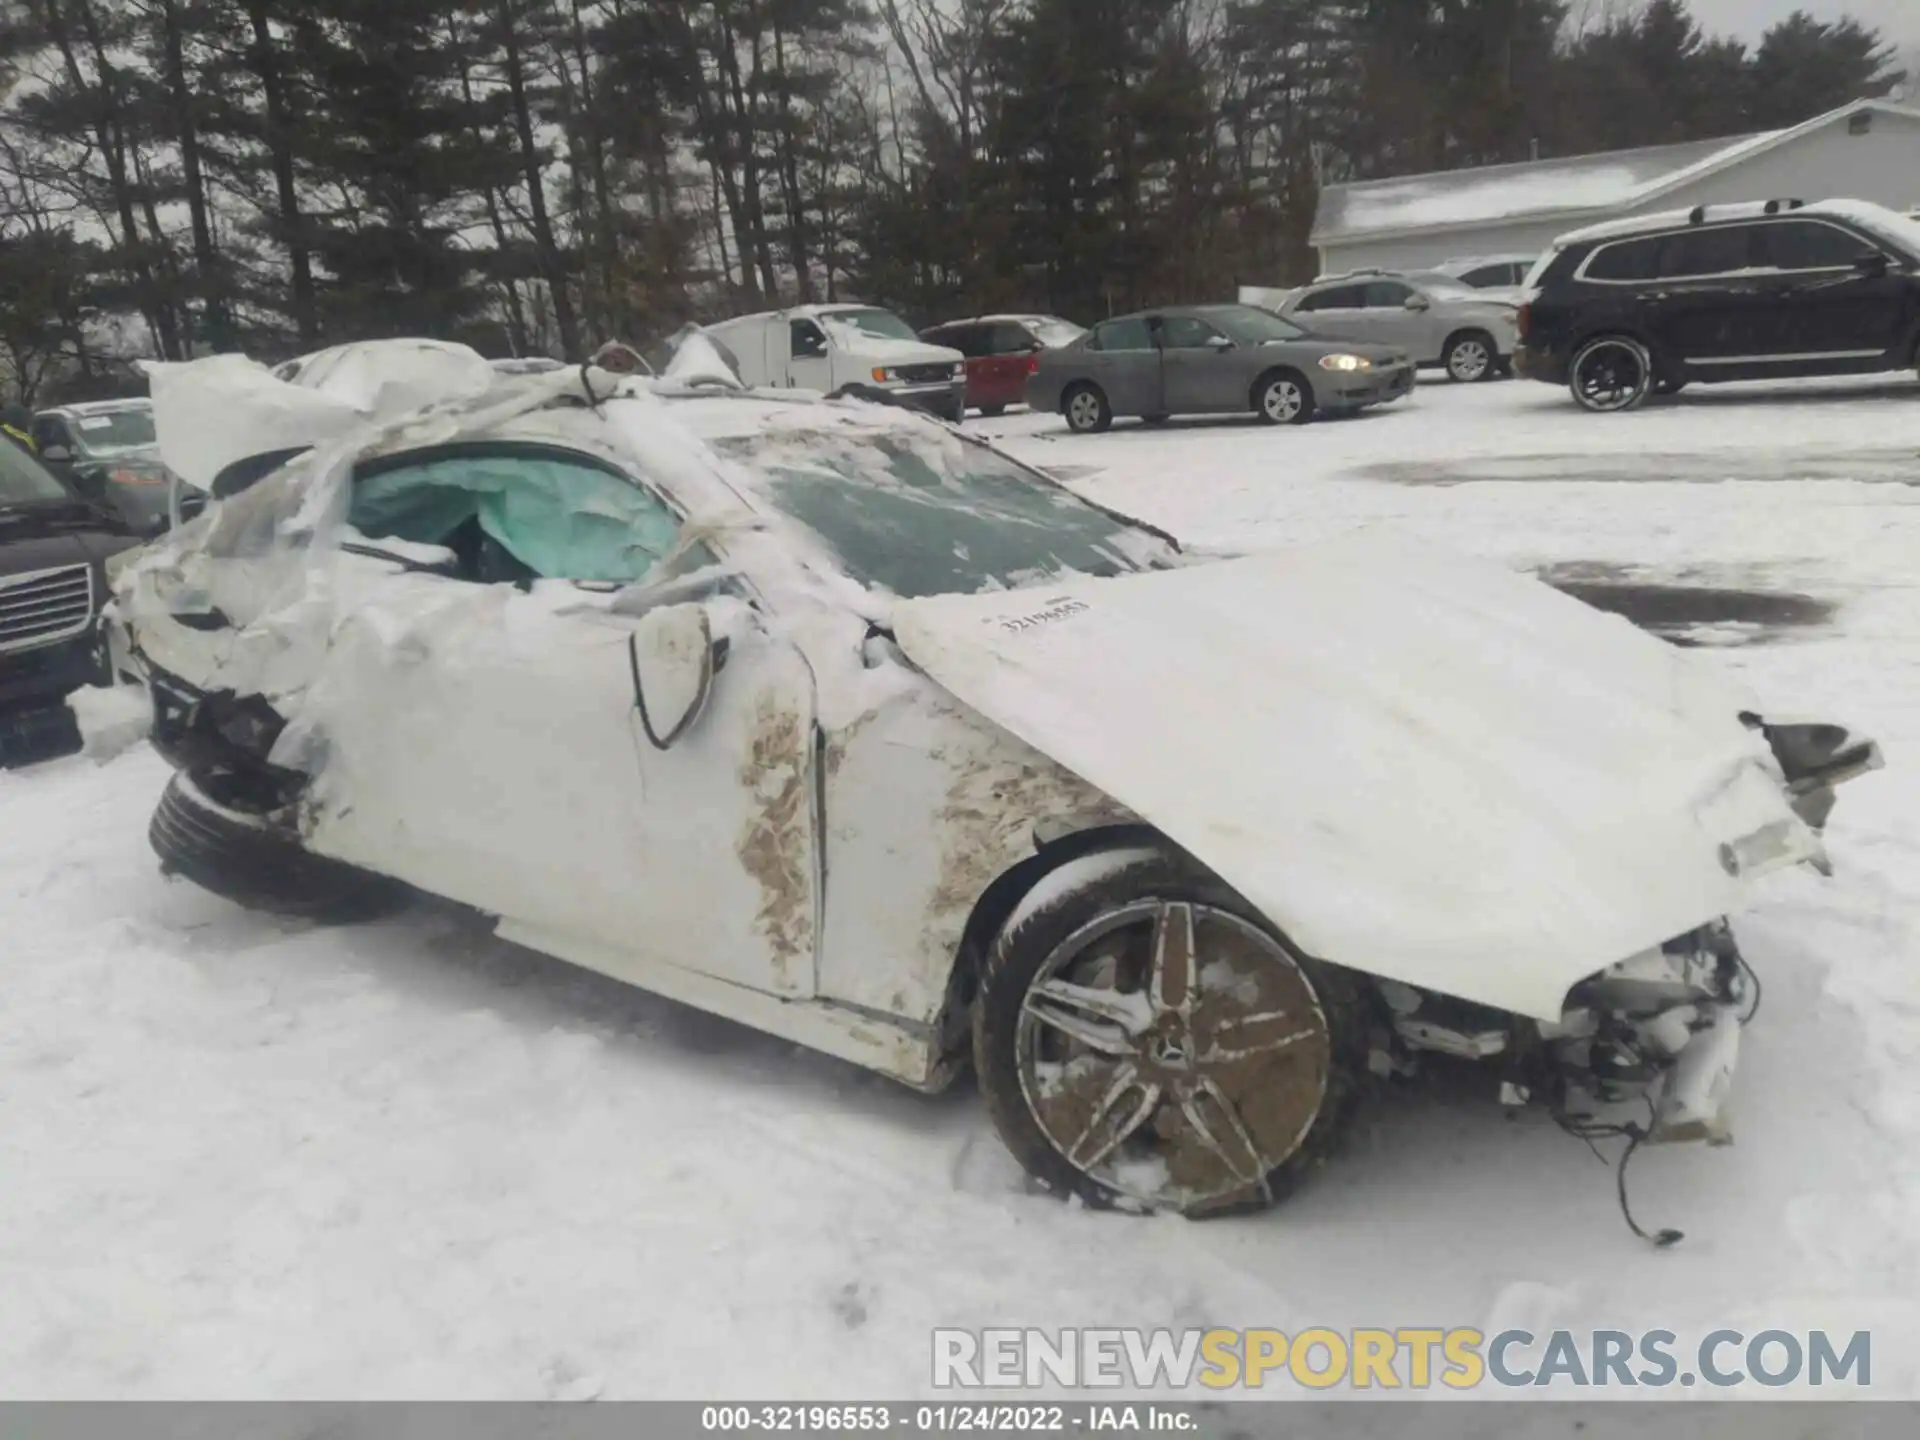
[
  {"x": 992, "y": 412},
  {"x": 254, "y": 861},
  {"x": 1271, "y": 406},
  {"x": 1470, "y": 357},
  {"x": 1295, "y": 1089},
  {"x": 1610, "y": 374},
  {"x": 1090, "y": 417}
]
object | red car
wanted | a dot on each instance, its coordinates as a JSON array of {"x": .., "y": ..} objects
[{"x": 1001, "y": 351}]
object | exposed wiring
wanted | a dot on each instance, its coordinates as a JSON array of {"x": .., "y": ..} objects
[{"x": 1587, "y": 1128}]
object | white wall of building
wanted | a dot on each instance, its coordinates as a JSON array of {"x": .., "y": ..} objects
[{"x": 1882, "y": 165}]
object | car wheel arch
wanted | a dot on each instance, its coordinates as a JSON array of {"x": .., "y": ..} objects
[
  {"x": 1281, "y": 372},
  {"x": 1272, "y": 373},
  {"x": 995, "y": 905},
  {"x": 1471, "y": 332}
]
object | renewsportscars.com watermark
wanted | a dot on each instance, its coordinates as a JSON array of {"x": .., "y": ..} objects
[{"x": 1400, "y": 1359}]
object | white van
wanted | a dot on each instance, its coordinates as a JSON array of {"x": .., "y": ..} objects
[{"x": 835, "y": 348}]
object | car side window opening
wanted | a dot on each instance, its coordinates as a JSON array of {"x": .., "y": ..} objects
[
  {"x": 1186, "y": 332},
  {"x": 515, "y": 513},
  {"x": 1122, "y": 335},
  {"x": 1343, "y": 297},
  {"x": 1387, "y": 295},
  {"x": 1707, "y": 252},
  {"x": 964, "y": 338},
  {"x": 1010, "y": 340},
  {"x": 1811, "y": 245},
  {"x": 808, "y": 340},
  {"x": 1625, "y": 260}
]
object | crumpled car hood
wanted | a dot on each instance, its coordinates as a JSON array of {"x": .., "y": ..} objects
[{"x": 1415, "y": 764}]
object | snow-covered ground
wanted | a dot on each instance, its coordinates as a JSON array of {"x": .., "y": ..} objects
[{"x": 243, "y": 1158}]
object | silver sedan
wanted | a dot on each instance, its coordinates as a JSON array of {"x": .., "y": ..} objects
[{"x": 1212, "y": 360}]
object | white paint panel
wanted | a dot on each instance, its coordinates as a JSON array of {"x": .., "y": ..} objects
[{"x": 1417, "y": 765}]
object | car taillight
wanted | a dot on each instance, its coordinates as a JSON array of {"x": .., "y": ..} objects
[
  {"x": 1522, "y": 317},
  {"x": 1033, "y": 363},
  {"x": 136, "y": 477}
]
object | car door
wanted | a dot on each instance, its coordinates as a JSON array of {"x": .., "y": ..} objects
[
  {"x": 1393, "y": 313},
  {"x": 1705, "y": 304},
  {"x": 809, "y": 357},
  {"x": 1129, "y": 366},
  {"x": 1334, "y": 313},
  {"x": 1830, "y": 296},
  {"x": 1010, "y": 350},
  {"x": 1198, "y": 369},
  {"x": 491, "y": 742}
]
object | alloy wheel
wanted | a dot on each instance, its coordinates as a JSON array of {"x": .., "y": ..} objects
[{"x": 1174, "y": 1053}]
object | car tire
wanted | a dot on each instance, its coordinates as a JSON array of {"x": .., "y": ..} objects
[
  {"x": 1283, "y": 397},
  {"x": 1189, "y": 1130},
  {"x": 1470, "y": 356},
  {"x": 1086, "y": 409},
  {"x": 1611, "y": 373},
  {"x": 253, "y": 859}
]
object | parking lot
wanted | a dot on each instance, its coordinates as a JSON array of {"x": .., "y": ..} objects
[{"x": 248, "y": 1158}]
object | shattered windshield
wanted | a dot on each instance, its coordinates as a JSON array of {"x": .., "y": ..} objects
[
  {"x": 23, "y": 482},
  {"x": 102, "y": 431},
  {"x": 925, "y": 512}
]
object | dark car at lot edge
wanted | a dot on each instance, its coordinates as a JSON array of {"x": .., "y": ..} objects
[
  {"x": 1001, "y": 352},
  {"x": 54, "y": 546},
  {"x": 1212, "y": 359},
  {"x": 1758, "y": 291}
]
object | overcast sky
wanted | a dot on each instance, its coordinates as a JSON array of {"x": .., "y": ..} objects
[{"x": 1898, "y": 20}]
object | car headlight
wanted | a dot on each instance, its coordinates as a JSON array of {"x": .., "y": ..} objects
[
  {"x": 1345, "y": 362},
  {"x": 960, "y": 371},
  {"x": 884, "y": 373}
]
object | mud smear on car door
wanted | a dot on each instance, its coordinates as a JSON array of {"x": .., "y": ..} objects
[
  {"x": 775, "y": 843},
  {"x": 1692, "y": 615}
]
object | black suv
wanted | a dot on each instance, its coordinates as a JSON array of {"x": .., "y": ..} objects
[
  {"x": 53, "y": 550},
  {"x": 1723, "y": 292}
]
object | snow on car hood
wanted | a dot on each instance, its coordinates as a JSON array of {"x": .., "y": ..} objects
[{"x": 1415, "y": 764}]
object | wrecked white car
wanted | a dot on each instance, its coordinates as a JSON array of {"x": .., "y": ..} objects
[{"x": 829, "y": 719}]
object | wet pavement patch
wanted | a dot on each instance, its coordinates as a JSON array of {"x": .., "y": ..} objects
[
  {"x": 1692, "y": 614},
  {"x": 1887, "y": 464}
]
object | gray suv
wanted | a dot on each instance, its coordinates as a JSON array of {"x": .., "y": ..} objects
[{"x": 1434, "y": 317}]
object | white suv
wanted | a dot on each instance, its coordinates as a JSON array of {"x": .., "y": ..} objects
[{"x": 1435, "y": 318}]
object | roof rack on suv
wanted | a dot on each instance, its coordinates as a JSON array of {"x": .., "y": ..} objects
[{"x": 1700, "y": 213}]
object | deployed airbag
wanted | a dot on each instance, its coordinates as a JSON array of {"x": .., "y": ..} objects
[{"x": 559, "y": 519}]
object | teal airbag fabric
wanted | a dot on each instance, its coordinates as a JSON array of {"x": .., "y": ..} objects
[{"x": 562, "y": 520}]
